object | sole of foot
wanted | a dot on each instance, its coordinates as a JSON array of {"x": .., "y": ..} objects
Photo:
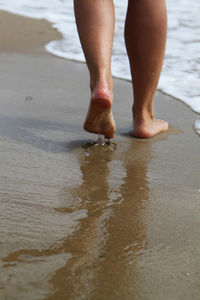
[
  {"x": 149, "y": 129},
  {"x": 99, "y": 118}
]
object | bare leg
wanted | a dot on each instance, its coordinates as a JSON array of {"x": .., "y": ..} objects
[
  {"x": 145, "y": 36},
  {"x": 95, "y": 23}
]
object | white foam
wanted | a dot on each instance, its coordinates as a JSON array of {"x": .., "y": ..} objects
[
  {"x": 197, "y": 126},
  {"x": 181, "y": 72}
]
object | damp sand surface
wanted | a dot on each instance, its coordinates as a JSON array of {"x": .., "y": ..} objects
[{"x": 79, "y": 221}]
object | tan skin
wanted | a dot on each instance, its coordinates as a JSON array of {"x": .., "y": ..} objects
[{"x": 145, "y": 37}]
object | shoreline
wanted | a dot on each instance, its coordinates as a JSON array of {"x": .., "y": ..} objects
[
  {"x": 34, "y": 41},
  {"x": 25, "y": 35},
  {"x": 29, "y": 36},
  {"x": 72, "y": 215}
]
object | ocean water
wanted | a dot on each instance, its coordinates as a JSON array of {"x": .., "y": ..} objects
[{"x": 181, "y": 72}]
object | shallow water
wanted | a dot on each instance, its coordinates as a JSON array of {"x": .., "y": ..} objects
[
  {"x": 101, "y": 144},
  {"x": 84, "y": 223},
  {"x": 95, "y": 224}
]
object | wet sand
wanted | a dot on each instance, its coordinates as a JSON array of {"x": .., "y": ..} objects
[{"x": 90, "y": 223}]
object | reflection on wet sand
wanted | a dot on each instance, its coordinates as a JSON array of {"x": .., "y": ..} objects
[{"x": 103, "y": 249}]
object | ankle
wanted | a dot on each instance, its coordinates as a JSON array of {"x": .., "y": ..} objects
[
  {"x": 142, "y": 115},
  {"x": 101, "y": 82}
]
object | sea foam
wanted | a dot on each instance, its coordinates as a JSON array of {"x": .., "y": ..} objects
[{"x": 197, "y": 126}]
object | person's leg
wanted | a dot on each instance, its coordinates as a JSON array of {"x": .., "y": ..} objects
[
  {"x": 95, "y": 23},
  {"x": 145, "y": 37}
]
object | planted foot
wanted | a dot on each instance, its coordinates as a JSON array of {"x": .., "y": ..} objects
[
  {"x": 99, "y": 118},
  {"x": 148, "y": 128}
]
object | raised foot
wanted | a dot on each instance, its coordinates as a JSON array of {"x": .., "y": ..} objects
[
  {"x": 147, "y": 129},
  {"x": 99, "y": 118}
]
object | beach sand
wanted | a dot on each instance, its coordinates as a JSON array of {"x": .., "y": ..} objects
[{"x": 81, "y": 222}]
